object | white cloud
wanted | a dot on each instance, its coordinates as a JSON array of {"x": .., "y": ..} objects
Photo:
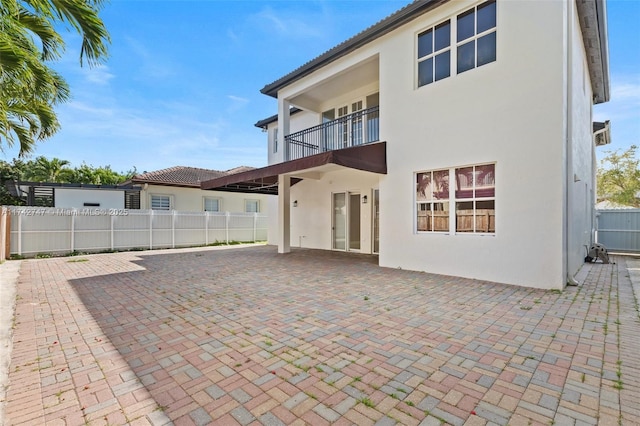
[
  {"x": 98, "y": 75},
  {"x": 237, "y": 103},
  {"x": 288, "y": 23}
]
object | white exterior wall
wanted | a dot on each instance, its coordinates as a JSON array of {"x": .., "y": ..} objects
[
  {"x": 311, "y": 220},
  {"x": 76, "y": 197},
  {"x": 192, "y": 199},
  {"x": 508, "y": 112},
  {"x": 580, "y": 181}
]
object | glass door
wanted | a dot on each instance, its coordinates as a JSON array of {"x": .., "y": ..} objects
[
  {"x": 354, "y": 221},
  {"x": 339, "y": 221},
  {"x": 346, "y": 221}
]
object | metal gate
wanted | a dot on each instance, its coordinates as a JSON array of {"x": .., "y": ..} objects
[{"x": 619, "y": 230}]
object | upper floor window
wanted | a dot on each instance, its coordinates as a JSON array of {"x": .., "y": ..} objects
[
  {"x": 211, "y": 204},
  {"x": 434, "y": 54},
  {"x": 251, "y": 206},
  {"x": 275, "y": 140},
  {"x": 476, "y": 36},
  {"x": 160, "y": 202}
]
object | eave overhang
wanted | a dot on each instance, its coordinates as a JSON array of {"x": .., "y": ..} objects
[
  {"x": 601, "y": 133},
  {"x": 593, "y": 24},
  {"x": 370, "y": 158},
  {"x": 396, "y": 20}
]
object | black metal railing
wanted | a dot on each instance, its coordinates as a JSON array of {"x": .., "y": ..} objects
[{"x": 350, "y": 130}]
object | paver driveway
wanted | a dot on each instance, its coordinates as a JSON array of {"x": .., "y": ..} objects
[{"x": 247, "y": 336}]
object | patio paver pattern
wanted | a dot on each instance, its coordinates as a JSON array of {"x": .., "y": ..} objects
[{"x": 246, "y": 336}]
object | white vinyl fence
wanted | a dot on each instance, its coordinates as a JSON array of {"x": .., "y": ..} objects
[{"x": 36, "y": 230}]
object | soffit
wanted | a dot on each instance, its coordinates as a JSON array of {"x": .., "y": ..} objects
[{"x": 370, "y": 158}]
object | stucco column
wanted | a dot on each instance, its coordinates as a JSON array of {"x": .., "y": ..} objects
[
  {"x": 284, "y": 214},
  {"x": 284, "y": 116}
]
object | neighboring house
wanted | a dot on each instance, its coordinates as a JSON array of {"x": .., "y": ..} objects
[
  {"x": 453, "y": 137},
  {"x": 178, "y": 188},
  {"x": 76, "y": 195}
]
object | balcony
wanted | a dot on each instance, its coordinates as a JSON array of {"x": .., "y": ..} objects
[{"x": 355, "y": 129}]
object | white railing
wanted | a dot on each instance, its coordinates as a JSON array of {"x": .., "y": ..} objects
[{"x": 39, "y": 230}]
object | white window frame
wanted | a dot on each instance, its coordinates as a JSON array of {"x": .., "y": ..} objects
[
  {"x": 217, "y": 199},
  {"x": 426, "y": 200},
  {"x": 452, "y": 201},
  {"x": 169, "y": 198},
  {"x": 275, "y": 140},
  {"x": 474, "y": 38},
  {"x": 475, "y": 199},
  {"x": 434, "y": 53},
  {"x": 246, "y": 205}
]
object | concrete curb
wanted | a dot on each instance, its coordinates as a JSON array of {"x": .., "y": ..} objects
[{"x": 9, "y": 273}]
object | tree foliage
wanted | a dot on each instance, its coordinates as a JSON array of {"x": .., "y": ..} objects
[
  {"x": 619, "y": 177},
  {"x": 55, "y": 170},
  {"x": 30, "y": 89}
]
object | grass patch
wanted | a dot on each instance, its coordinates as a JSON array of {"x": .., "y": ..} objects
[{"x": 366, "y": 402}]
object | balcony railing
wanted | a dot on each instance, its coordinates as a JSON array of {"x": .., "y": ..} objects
[{"x": 350, "y": 130}]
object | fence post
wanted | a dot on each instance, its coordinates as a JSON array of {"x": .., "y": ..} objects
[
  {"x": 228, "y": 219},
  {"x": 206, "y": 228},
  {"x": 73, "y": 228},
  {"x": 173, "y": 229},
  {"x": 20, "y": 234},
  {"x": 113, "y": 219},
  {"x": 255, "y": 226},
  {"x": 150, "y": 229}
]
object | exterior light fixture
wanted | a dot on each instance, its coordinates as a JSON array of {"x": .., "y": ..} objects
[
  {"x": 295, "y": 203},
  {"x": 364, "y": 199}
]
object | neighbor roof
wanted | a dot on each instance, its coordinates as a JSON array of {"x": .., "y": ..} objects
[
  {"x": 593, "y": 23},
  {"x": 184, "y": 176}
]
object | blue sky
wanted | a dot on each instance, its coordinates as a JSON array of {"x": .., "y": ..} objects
[{"x": 182, "y": 84}]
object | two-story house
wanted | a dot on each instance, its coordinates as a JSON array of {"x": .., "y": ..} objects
[{"x": 453, "y": 137}]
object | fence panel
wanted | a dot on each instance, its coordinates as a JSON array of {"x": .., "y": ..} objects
[
  {"x": 619, "y": 230},
  {"x": 37, "y": 230}
]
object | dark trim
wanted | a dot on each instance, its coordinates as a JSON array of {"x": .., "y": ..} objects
[
  {"x": 77, "y": 185},
  {"x": 369, "y": 158},
  {"x": 397, "y": 19},
  {"x": 263, "y": 124}
]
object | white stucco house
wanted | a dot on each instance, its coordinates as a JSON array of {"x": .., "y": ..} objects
[
  {"x": 178, "y": 188},
  {"x": 453, "y": 137}
]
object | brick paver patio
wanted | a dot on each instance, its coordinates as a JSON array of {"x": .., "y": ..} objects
[{"x": 247, "y": 336}]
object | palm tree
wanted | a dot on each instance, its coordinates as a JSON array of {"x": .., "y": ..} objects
[
  {"x": 45, "y": 170},
  {"x": 30, "y": 89}
]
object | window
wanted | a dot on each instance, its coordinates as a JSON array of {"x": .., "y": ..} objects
[
  {"x": 160, "y": 202},
  {"x": 251, "y": 206},
  {"x": 472, "y": 192},
  {"x": 211, "y": 204},
  {"x": 275, "y": 140},
  {"x": 476, "y": 199},
  {"x": 432, "y": 198},
  {"x": 434, "y": 54},
  {"x": 476, "y": 36}
]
